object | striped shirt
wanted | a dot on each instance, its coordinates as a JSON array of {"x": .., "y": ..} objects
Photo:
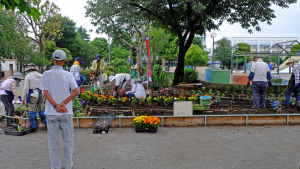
[{"x": 296, "y": 71}]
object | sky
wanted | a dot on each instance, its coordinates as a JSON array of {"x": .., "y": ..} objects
[{"x": 286, "y": 23}]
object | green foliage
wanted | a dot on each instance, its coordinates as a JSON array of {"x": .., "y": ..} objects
[
  {"x": 159, "y": 77},
  {"x": 242, "y": 48},
  {"x": 102, "y": 47},
  {"x": 274, "y": 59},
  {"x": 295, "y": 48},
  {"x": 197, "y": 41},
  {"x": 67, "y": 35},
  {"x": 223, "y": 52},
  {"x": 195, "y": 56},
  {"x": 190, "y": 75},
  {"x": 183, "y": 18},
  {"x": 86, "y": 74},
  {"x": 22, "y": 6},
  {"x": 84, "y": 33},
  {"x": 119, "y": 53},
  {"x": 125, "y": 68}
]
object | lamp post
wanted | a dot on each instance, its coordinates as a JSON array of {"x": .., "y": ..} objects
[
  {"x": 108, "y": 50},
  {"x": 213, "y": 35}
]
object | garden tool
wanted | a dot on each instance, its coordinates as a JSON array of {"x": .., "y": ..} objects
[{"x": 248, "y": 84}]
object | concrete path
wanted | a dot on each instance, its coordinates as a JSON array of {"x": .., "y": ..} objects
[{"x": 213, "y": 147}]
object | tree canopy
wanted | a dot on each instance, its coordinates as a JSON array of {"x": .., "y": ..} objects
[
  {"x": 102, "y": 47},
  {"x": 295, "y": 48},
  {"x": 195, "y": 56},
  {"x": 197, "y": 41},
  {"x": 181, "y": 17},
  {"x": 223, "y": 52},
  {"x": 84, "y": 33}
]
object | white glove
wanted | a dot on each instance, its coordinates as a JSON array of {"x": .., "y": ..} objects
[{"x": 125, "y": 93}]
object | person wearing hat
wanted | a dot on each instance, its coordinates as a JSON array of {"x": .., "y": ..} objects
[
  {"x": 123, "y": 78},
  {"x": 75, "y": 70},
  {"x": 32, "y": 96},
  {"x": 259, "y": 75},
  {"x": 8, "y": 92},
  {"x": 138, "y": 90},
  {"x": 293, "y": 84},
  {"x": 98, "y": 66},
  {"x": 56, "y": 84}
]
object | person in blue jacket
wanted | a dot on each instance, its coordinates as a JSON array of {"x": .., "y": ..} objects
[{"x": 259, "y": 75}]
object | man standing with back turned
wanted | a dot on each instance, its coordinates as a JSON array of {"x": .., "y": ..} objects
[
  {"x": 56, "y": 84},
  {"x": 259, "y": 75}
]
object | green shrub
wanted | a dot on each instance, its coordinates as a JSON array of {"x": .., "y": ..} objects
[
  {"x": 86, "y": 74},
  {"x": 190, "y": 75},
  {"x": 111, "y": 68},
  {"x": 160, "y": 78},
  {"x": 125, "y": 68},
  {"x": 107, "y": 72}
]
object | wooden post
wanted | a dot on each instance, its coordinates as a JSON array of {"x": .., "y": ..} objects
[
  {"x": 279, "y": 106},
  {"x": 230, "y": 107},
  {"x": 133, "y": 108}
]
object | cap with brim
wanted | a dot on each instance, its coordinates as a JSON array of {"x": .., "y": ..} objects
[
  {"x": 18, "y": 75},
  {"x": 111, "y": 78},
  {"x": 291, "y": 60},
  {"x": 79, "y": 60},
  {"x": 31, "y": 66},
  {"x": 59, "y": 55},
  {"x": 99, "y": 57}
]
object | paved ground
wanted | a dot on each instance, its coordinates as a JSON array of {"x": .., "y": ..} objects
[{"x": 214, "y": 147}]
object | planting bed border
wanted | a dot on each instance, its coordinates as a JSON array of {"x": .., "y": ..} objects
[{"x": 185, "y": 121}]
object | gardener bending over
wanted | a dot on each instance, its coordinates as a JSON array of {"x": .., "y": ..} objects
[
  {"x": 259, "y": 74},
  {"x": 8, "y": 92},
  {"x": 122, "y": 79},
  {"x": 32, "y": 96},
  {"x": 293, "y": 85},
  {"x": 138, "y": 90}
]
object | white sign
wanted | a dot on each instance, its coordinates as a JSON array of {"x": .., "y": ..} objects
[{"x": 183, "y": 108}]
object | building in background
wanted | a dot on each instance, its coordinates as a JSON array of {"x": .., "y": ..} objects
[
  {"x": 263, "y": 44},
  {"x": 9, "y": 67}
]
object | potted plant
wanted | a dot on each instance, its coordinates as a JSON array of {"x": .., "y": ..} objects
[
  {"x": 112, "y": 100},
  {"x": 142, "y": 101},
  {"x": 124, "y": 100},
  {"x": 148, "y": 124}
]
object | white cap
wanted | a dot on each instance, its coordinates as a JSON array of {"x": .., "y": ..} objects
[{"x": 59, "y": 55}]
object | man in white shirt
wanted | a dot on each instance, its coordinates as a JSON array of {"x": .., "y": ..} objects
[
  {"x": 259, "y": 75},
  {"x": 32, "y": 96},
  {"x": 122, "y": 79},
  {"x": 56, "y": 84}
]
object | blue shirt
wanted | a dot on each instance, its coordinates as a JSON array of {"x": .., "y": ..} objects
[{"x": 58, "y": 83}]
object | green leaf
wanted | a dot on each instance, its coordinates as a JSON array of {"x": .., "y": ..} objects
[
  {"x": 42, "y": 12},
  {"x": 1, "y": 6},
  {"x": 35, "y": 1},
  {"x": 35, "y": 14},
  {"x": 17, "y": 1}
]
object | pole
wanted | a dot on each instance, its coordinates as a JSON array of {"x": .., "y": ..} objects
[
  {"x": 213, "y": 57},
  {"x": 290, "y": 67},
  {"x": 278, "y": 62},
  {"x": 108, "y": 50},
  {"x": 231, "y": 64},
  {"x": 245, "y": 68},
  {"x": 236, "y": 68}
]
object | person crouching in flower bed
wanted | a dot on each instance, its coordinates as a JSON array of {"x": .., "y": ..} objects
[
  {"x": 138, "y": 90},
  {"x": 32, "y": 96}
]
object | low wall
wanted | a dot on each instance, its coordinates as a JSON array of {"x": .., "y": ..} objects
[{"x": 196, "y": 120}]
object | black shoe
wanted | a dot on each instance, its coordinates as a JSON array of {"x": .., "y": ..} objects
[
  {"x": 263, "y": 107},
  {"x": 32, "y": 130},
  {"x": 253, "y": 107}
]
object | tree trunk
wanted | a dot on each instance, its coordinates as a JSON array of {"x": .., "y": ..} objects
[{"x": 183, "y": 48}]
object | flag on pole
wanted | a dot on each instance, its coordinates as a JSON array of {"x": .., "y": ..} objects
[{"x": 149, "y": 64}]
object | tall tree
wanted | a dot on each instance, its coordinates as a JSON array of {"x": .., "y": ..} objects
[
  {"x": 67, "y": 34},
  {"x": 102, "y": 47},
  {"x": 104, "y": 14},
  {"x": 223, "y": 52},
  {"x": 197, "y": 41},
  {"x": 185, "y": 18},
  {"x": 84, "y": 33},
  {"x": 242, "y": 48},
  {"x": 159, "y": 39},
  {"x": 48, "y": 23},
  {"x": 196, "y": 56}
]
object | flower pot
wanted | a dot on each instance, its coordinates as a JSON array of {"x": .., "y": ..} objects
[
  {"x": 149, "y": 130},
  {"x": 197, "y": 111}
]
